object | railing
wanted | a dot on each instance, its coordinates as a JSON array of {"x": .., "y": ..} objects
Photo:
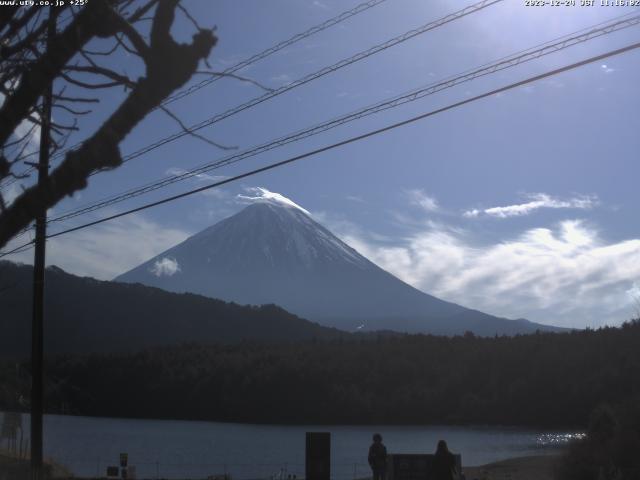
[{"x": 170, "y": 470}]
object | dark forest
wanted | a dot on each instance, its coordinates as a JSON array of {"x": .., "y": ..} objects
[{"x": 545, "y": 380}]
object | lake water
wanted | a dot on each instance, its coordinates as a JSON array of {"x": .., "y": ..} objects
[{"x": 185, "y": 449}]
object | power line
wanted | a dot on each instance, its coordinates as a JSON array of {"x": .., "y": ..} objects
[
  {"x": 314, "y": 76},
  {"x": 308, "y": 78},
  {"x": 244, "y": 63},
  {"x": 255, "y": 101},
  {"x": 22, "y": 248},
  {"x": 504, "y": 63},
  {"x": 349, "y": 140},
  {"x": 276, "y": 48}
]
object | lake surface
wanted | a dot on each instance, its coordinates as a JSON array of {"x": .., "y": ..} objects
[{"x": 185, "y": 449}]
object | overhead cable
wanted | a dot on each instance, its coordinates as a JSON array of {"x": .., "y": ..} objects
[
  {"x": 348, "y": 141},
  {"x": 487, "y": 69}
]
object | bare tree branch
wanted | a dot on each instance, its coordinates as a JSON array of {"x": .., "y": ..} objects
[
  {"x": 236, "y": 77},
  {"x": 105, "y": 72},
  {"x": 138, "y": 14},
  {"x": 94, "y": 19},
  {"x": 21, "y": 138},
  {"x": 126, "y": 48},
  {"x": 189, "y": 17},
  {"x": 75, "y": 99},
  {"x": 140, "y": 46},
  {"x": 106, "y": 53},
  {"x": 187, "y": 130},
  {"x": 15, "y": 24},
  {"x": 90, "y": 86},
  {"x": 6, "y": 15},
  {"x": 7, "y": 50},
  {"x": 71, "y": 110},
  {"x": 169, "y": 65}
]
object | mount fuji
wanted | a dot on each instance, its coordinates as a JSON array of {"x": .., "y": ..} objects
[{"x": 275, "y": 253}]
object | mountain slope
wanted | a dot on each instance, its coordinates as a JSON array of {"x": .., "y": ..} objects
[
  {"x": 274, "y": 253},
  {"x": 85, "y": 315}
]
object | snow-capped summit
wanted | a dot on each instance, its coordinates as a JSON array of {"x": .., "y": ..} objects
[
  {"x": 274, "y": 252},
  {"x": 265, "y": 196}
]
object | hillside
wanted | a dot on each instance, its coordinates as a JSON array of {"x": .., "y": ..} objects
[
  {"x": 548, "y": 379},
  {"x": 276, "y": 253},
  {"x": 86, "y": 315}
]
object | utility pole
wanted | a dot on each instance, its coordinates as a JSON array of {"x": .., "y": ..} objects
[{"x": 37, "y": 330}]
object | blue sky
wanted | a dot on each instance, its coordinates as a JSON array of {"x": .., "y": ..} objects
[{"x": 523, "y": 204}]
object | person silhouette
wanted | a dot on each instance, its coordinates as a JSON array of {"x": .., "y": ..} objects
[
  {"x": 444, "y": 463},
  {"x": 378, "y": 458}
]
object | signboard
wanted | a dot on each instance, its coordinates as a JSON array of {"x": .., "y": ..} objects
[
  {"x": 318, "y": 456},
  {"x": 414, "y": 466}
]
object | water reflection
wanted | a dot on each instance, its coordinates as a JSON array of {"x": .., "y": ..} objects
[
  {"x": 558, "y": 439},
  {"x": 179, "y": 449}
]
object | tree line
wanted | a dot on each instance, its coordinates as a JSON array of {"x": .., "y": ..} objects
[{"x": 545, "y": 379}]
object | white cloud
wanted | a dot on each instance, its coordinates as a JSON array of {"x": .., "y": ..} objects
[
  {"x": 27, "y": 127},
  {"x": 261, "y": 194},
  {"x": 107, "y": 250},
  {"x": 538, "y": 201},
  {"x": 419, "y": 198},
  {"x": 282, "y": 79},
  {"x": 553, "y": 83},
  {"x": 165, "y": 267},
  {"x": 472, "y": 213},
  {"x": 11, "y": 193},
  {"x": 565, "y": 275},
  {"x": 634, "y": 292},
  {"x": 607, "y": 69},
  {"x": 29, "y": 135},
  {"x": 216, "y": 192},
  {"x": 205, "y": 177}
]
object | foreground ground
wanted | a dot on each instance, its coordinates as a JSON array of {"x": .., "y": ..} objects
[
  {"x": 522, "y": 468},
  {"x": 12, "y": 468}
]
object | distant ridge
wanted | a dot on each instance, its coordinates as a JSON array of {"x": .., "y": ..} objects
[
  {"x": 84, "y": 315},
  {"x": 271, "y": 252}
]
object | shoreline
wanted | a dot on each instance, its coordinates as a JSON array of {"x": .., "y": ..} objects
[
  {"x": 534, "y": 467},
  {"x": 268, "y": 423}
]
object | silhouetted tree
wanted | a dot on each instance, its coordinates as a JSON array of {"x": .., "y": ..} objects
[
  {"x": 30, "y": 63},
  {"x": 610, "y": 449},
  {"x": 548, "y": 380}
]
